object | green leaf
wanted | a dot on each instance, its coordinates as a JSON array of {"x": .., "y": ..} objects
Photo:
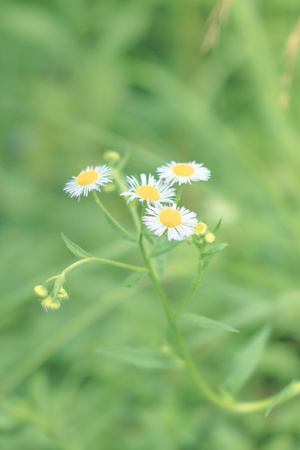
[
  {"x": 75, "y": 249},
  {"x": 246, "y": 361},
  {"x": 204, "y": 322},
  {"x": 133, "y": 279},
  {"x": 141, "y": 357},
  {"x": 165, "y": 247},
  {"x": 217, "y": 226},
  {"x": 290, "y": 391},
  {"x": 215, "y": 249},
  {"x": 209, "y": 255},
  {"x": 120, "y": 232}
]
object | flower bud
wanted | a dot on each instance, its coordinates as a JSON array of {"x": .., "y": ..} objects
[
  {"x": 40, "y": 291},
  {"x": 210, "y": 238},
  {"x": 111, "y": 158},
  {"x": 62, "y": 294},
  {"x": 201, "y": 229},
  {"x": 49, "y": 305}
]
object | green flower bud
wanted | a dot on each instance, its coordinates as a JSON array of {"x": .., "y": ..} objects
[
  {"x": 111, "y": 158},
  {"x": 210, "y": 238},
  {"x": 49, "y": 305},
  {"x": 62, "y": 294},
  {"x": 40, "y": 291},
  {"x": 201, "y": 229}
]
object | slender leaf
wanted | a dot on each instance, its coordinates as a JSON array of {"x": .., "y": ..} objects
[
  {"x": 217, "y": 226},
  {"x": 120, "y": 232},
  {"x": 204, "y": 322},
  {"x": 165, "y": 247},
  {"x": 215, "y": 249},
  {"x": 141, "y": 357},
  {"x": 75, "y": 249},
  {"x": 290, "y": 391},
  {"x": 246, "y": 361},
  {"x": 133, "y": 279}
]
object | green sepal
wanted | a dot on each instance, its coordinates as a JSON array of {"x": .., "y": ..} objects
[
  {"x": 204, "y": 322},
  {"x": 75, "y": 249},
  {"x": 142, "y": 357},
  {"x": 57, "y": 285},
  {"x": 246, "y": 360},
  {"x": 133, "y": 279},
  {"x": 290, "y": 391}
]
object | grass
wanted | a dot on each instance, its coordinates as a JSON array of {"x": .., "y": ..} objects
[{"x": 78, "y": 80}]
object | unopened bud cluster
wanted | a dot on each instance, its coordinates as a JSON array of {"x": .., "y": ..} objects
[
  {"x": 202, "y": 235},
  {"x": 48, "y": 302}
]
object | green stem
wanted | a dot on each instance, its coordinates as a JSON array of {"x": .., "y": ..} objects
[
  {"x": 190, "y": 294},
  {"x": 225, "y": 400},
  {"x": 131, "y": 205},
  {"x": 110, "y": 217},
  {"x": 179, "y": 192},
  {"x": 104, "y": 261}
]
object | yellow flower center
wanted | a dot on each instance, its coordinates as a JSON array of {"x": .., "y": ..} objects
[
  {"x": 87, "y": 178},
  {"x": 170, "y": 218},
  {"x": 183, "y": 170},
  {"x": 201, "y": 229},
  {"x": 148, "y": 193}
]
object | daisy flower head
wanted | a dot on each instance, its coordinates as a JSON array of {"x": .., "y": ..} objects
[
  {"x": 89, "y": 179},
  {"x": 150, "y": 190},
  {"x": 183, "y": 172},
  {"x": 178, "y": 222}
]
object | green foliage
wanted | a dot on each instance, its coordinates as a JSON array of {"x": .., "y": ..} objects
[
  {"x": 83, "y": 77},
  {"x": 141, "y": 357},
  {"x": 246, "y": 361},
  {"x": 75, "y": 249},
  {"x": 204, "y": 322}
]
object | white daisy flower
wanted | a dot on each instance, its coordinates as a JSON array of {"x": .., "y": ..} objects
[
  {"x": 179, "y": 222},
  {"x": 183, "y": 172},
  {"x": 88, "y": 179},
  {"x": 150, "y": 190}
]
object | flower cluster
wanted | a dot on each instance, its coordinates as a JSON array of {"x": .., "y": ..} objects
[
  {"x": 162, "y": 214},
  {"x": 49, "y": 300}
]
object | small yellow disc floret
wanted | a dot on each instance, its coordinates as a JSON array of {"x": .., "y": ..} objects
[
  {"x": 201, "y": 229},
  {"x": 40, "y": 291},
  {"x": 183, "y": 170},
  {"x": 148, "y": 193},
  {"x": 210, "y": 238},
  {"x": 87, "y": 178},
  {"x": 170, "y": 218}
]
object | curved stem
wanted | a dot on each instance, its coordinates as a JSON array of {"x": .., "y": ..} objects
[
  {"x": 131, "y": 236},
  {"x": 104, "y": 261},
  {"x": 131, "y": 206},
  {"x": 224, "y": 400}
]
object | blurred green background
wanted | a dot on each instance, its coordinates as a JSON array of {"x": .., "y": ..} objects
[{"x": 165, "y": 80}]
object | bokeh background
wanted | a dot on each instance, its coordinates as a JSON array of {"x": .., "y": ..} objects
[{"x": 159, "y": 80}]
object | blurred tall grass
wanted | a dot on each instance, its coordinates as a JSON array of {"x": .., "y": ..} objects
[{"x": 78, "y": 78}]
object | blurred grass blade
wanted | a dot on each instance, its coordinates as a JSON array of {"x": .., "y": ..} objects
[
  {"x": 290, "y": 391},
  {"x": 75, "y": 249},
  {"x": 133, "y": 279},
  {"x": 246, "y": 361},
  {"x": 140, "y": 357},
  {"x": 204, "y": 322}
]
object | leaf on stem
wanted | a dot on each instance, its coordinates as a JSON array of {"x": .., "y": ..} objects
[
  {"x": 133, "y": 279},
  {"x": 75, "y": 249},
  {"x": 217, "y": 226},
  {"x": 290, "y": 391},
  {"x": 246, "y": 360},
  {"x": 210, "y": 253},
  {"x": 119, "y": 230},
  {"x": 165, "y": 247},
  {"x": 141, "y": 357},
  {"x": 204, "y": 322}
]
